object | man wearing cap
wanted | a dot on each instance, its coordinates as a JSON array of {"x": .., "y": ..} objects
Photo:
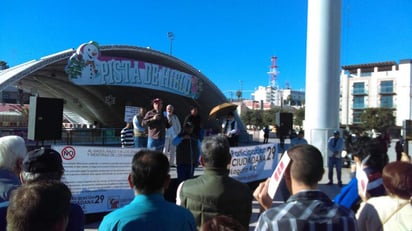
[
  {"x": 156, "y": 123},
  {"x": 335, "y": 147},
  {"x": 46, "y": 164},
  {"x": 187, "y": 150}
]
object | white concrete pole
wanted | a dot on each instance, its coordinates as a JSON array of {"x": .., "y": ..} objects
[{"x": 322, "y": 71}]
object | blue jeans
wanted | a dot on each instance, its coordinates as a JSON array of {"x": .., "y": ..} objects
[
  {"x": 155, "y": 144},
  {"x": 140, "y": 141},
  {"x": 333, "y": 161}
]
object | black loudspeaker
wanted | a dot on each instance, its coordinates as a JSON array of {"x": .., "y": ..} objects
[
  {"x": 284, "y": 121},
  {"x": 407, "y": 129},
  {"x": 45, "y": 119}
]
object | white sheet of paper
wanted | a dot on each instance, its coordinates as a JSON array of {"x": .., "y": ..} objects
[
  {"x": 363, "y": 181},
  {"x": 278, "y": 175},
  {"x": 362, "y": 177}
]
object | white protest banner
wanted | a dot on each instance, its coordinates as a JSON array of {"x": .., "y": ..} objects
[
  {"x": 252, "y": 163},
  {"x": 129, "y": 112},
  {"x": 278, "y": 175},
  {"x": 97, "y": 176}
]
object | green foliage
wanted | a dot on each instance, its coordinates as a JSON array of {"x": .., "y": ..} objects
[
  {"x": 3, "y": 65},
  {"x": 299, "y": 117},
  {"x": 380, "y": 119},
  {"x": 261, "y": 118},
  {"x": 239, "y": 94}
]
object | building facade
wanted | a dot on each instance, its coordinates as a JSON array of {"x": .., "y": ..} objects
[
  {"x": 279, "y": 97},
  {"x": 376, "y": 85}
]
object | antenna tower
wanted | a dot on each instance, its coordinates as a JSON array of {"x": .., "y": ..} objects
[{"x": 273, "y": 72}]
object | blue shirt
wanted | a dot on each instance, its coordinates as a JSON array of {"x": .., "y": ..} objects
[
  {"x": 335, "y": 146},
  {"x": 8, "y": 182},
  {"x": 298, "y": 140},
  {"x": 308, "y": 210},
  {"x": 149, "y": 212}
]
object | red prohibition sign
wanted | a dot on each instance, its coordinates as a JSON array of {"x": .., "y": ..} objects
[{"x": 68, "y": 153}]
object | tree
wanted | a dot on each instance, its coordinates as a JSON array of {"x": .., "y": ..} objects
[
  {"x": 239, "y": 95},
  {"x": 247, "y": 117},
  {"x": 299, "y": 116},
  {"x": 253, "y": 117},
  {"x": 3, "y": 65},
  {"x": 379, "y": 119}
]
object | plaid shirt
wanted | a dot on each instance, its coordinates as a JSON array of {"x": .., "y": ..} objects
[{"x": 308, "y": 210}]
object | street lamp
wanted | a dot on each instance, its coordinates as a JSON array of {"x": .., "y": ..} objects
[{"x": 171, "y": 37}]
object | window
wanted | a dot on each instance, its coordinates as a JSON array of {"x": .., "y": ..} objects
[
  {"x": 356, "y": 116},
  {"x": 359, "y": 88},
  {"x": 359, "y": 102},
  {"x": 386, "y": 101},
  {"x": 387, "y": 86}
]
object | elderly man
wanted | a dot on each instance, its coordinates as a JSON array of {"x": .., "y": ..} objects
[
  {"x": 170, "y": 149},
  {"x": 12, "y": 151},
  {"x": 45, "y": 164},
  {"x": 215, "y": 193}
]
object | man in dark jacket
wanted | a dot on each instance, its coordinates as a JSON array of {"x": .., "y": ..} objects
[
  {"x": 214, "y": 192},
  {"x": 156, "y": 124},
  {"x": 187, "y": 149}
]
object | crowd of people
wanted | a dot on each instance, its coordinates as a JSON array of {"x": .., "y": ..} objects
[
  {"x": 162, "y": 130},
  {"x": 33, "y": 197}
]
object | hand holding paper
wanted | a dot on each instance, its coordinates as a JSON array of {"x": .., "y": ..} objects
[
  {"x": 278, "y": 175},
  {"x": 261, "y": 195}
]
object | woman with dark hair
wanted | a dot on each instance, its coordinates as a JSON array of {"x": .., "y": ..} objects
[
  {"x": 394, "y": 211},
  {"x": 372, "y": 155}
]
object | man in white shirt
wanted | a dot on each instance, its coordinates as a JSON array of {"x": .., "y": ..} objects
[{"x": 170, "y": 149}]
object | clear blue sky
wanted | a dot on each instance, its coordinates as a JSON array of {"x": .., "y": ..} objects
[{"x": 230, "y": 41}]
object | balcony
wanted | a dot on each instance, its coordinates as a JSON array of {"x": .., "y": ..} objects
[
  {"x": 386, "y": 91},
  {"x": 358, "y": 106},
  {"x": 359, "y": 92}
]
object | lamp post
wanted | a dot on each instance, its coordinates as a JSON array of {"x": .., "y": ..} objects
[{"x": 171, "y": 37}]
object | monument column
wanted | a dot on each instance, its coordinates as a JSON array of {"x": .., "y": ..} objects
[{"x": 322, "y": 72}]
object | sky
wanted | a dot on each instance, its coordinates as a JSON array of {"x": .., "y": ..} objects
[{"x": 229, "y": 41}]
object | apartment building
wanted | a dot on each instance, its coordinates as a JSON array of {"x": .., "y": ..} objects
[
  {"x": 279, "y": 97},
  {"x": 376, "y": 85}
]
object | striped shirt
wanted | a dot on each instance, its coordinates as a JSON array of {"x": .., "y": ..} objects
[
  {"x": 127, "y": 137},
  {"x": 308, "y": 210}
]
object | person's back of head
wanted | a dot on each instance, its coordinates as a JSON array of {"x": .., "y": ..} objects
[
  {"x": 150, "y": 171},
  {"x": 222, "y": 222},
  {"x": 215, "y": 151},
  {"x": 42, "y": 164},
  {"x": 374, "y": 150},
  {"x": 397, "y": 179},
  {"x": 12, "y": 149},
  {"x": 42, "y": 205},
  {"x": 306, "y": 164}
]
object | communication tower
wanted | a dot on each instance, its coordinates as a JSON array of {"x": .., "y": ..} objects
[{"x": 273, "y": 72}]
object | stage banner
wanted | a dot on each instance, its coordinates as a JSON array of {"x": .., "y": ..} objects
[
  {"x": 253, "y": 163},
  {"x": 97, "y": 176}
]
